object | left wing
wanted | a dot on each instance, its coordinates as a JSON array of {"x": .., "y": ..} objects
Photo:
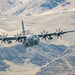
[
  {"x": 58, "y": 33},
  {"x": 45, "y": 35},
  {"x": 67, "y": 32}
]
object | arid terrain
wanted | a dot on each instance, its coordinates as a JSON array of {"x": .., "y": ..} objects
[{"x": 51, "y": 57}]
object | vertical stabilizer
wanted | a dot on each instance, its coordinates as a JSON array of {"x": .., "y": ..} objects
[{"x": 23, "y": 29}]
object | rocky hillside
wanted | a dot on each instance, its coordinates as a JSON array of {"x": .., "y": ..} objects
[
  {"x": 7, "y": 4},
  {"x": 38, "y": 55},
  {"x": 64, "y": 65},
  {"x": 3, "y": 66},
  {"x": 30, "y": 7},
  {"x": 55, "y": 57}
]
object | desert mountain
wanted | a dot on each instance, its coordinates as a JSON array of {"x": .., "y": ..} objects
[
  {"x": 18, "y": 54},
  {"x": 7, "y": 4},
  {"x": 30, "y": 7},
  {"x": 51, "y": 57},
  {"x": 64, "y": 65}
]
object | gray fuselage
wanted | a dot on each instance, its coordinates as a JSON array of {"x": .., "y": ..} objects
[{"x": 30, "y": 40}]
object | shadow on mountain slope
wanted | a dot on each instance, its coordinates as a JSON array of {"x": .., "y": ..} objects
[
  {"x": 39, "y": 55},
  {"x": 64, "y": 65}
]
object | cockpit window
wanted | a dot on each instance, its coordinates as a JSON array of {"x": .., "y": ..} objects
[{"x": 35, "y": 35}]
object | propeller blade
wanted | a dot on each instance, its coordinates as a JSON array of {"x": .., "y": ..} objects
[
  {"x": 3, "y": 38},
  {"x": 59, "y": 29},
  {"x": 17, "y": 37},
  {"x": 20, "y": 34},
  {"x": 6, "y": 35},
  {"x": 27, "y": 42},
  {"x": 45, "y": 38},
  {"x": 41, "y": 33},
  {"x": 2, "y": 41},
  {"x": 0, "y": 35},
  {"x": 42, "y": 38},
  {"x": 59, "y": 33},
  {"x": 62, "y": 31},
  {"x": 60, "y": 36},
  {"x": 5, "y": 42},
  {"x": 56, "y": 30},
  {"x": 44, "y": 31},
  {"x": 57, "y": 37},
  {"x": 3, "y": 35}
]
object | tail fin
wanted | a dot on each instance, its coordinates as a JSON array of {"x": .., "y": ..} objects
[{"x": 23, "y": 29}]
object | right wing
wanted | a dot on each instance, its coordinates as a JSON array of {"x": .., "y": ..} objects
[{"x": 4, "y": 39}]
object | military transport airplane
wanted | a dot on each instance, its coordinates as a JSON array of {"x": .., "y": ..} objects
[{"x": 29, "y": 40}]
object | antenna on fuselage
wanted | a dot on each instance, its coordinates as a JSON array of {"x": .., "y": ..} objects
[{"x": 23, "y": 29}]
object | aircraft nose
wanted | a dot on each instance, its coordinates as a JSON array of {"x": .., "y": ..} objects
[{"x": 35, "y": 39}]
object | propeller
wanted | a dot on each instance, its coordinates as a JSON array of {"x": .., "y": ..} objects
[
  {"x": 59, "y": 33},
  {"x": 17, "y": 37},
  {"x": 27, "y": 42},
  {"x": 44, "y": 35},
  {"x": 3, "y": 37}
]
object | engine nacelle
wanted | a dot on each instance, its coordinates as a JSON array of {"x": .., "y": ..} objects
[
  {"x": 20, "y": 40},
  {"x": 9, "y": 42},
  {"x": 50, "y": 38}
]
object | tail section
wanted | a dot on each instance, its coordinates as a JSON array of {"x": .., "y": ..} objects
[{"x": 23, "y": 29}]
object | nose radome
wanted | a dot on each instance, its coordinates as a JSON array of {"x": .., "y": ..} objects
[{"x": 35, "y": 39}]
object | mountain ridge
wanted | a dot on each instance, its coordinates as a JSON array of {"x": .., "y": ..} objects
[
  {"x": 62, "y": 65},
  {"x": 57, "y": 55},
  {"x": 19, "y": 54},
  {"x": 7, "y": 4},
  {"x": 30, "y": 7}
]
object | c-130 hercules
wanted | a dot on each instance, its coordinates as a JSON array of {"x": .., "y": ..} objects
[{"x": 29, "y": 40}]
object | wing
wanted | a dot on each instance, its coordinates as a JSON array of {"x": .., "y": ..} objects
[
  {"x": 13, "y": 38},
  {"x": 67, "y": 32},
  {"x": 9, "y": 39},
  {"x": 45, "y": 35},
  {"x": 58, "y": 34},
  {"x": 51, "y": 34}
]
